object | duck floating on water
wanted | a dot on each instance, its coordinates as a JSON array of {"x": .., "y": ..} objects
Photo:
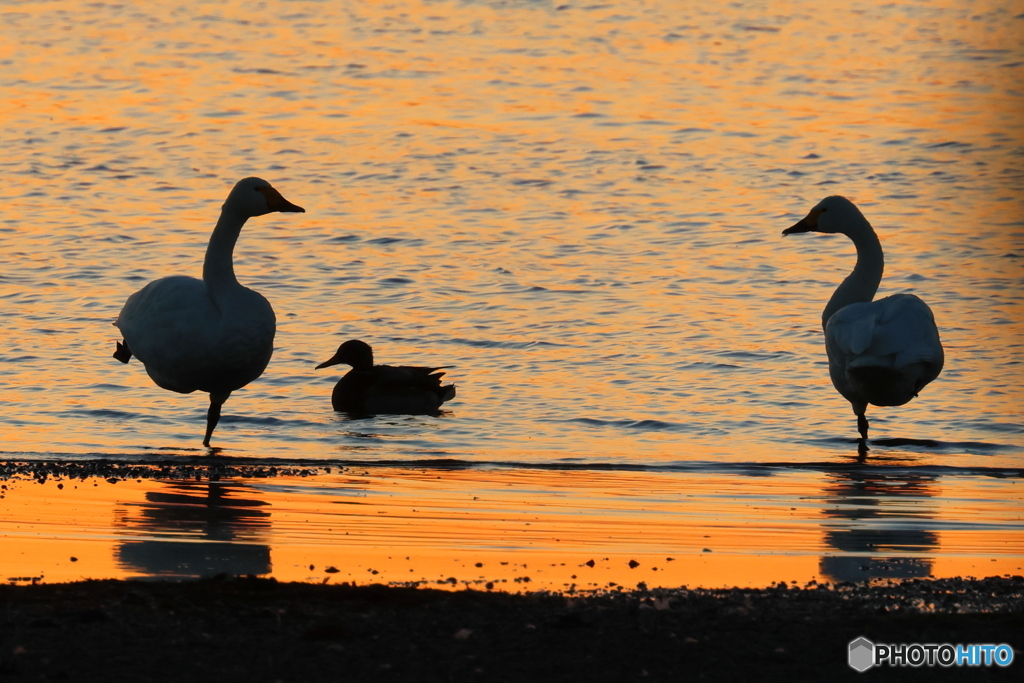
[
  {"x": 879, "y": 352},
  {"x": 369, "y": 389},
  {"x": 211, "y": 335}
]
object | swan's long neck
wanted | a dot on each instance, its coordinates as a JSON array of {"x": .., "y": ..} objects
[
  {"x": 218, "y": 268},
  {"x": 862, "y": 283}
]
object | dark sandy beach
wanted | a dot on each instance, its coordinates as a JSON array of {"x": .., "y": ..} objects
[{"x": 247, "y": 629}]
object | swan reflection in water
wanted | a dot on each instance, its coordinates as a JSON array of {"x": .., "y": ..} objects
[
  {"x": 886, "y": 515},
  {"x": 192, "y": 529}
]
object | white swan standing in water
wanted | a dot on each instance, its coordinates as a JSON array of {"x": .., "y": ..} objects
[
  {"x": 880, "y": 352},
  {"x": 213, "y": 334}
]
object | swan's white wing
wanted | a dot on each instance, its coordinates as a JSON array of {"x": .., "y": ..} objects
[
  {"x": 162, "y": 317},
  {"x": 884, "y": 351},
  {"x": 188, "y": 343}
]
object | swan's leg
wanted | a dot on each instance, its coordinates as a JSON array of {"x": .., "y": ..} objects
[
  {"x": 862, "y": 422},
  {"x": 213, "y": 415},
  {"x": 122, "y": 353}
]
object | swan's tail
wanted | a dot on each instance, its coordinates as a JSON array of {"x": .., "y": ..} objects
[{"x": 123, "y": 353}]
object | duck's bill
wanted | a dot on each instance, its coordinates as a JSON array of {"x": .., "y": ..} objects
[{"x": 327, "y": 363}]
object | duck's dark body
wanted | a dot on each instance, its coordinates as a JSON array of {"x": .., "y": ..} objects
[
  {"x": 386, "y": 389},
  {"x": 370, "y": 389}
]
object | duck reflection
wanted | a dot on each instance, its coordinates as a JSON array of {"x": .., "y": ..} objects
[
  {"x": 195, "y": 529},
  {"x": 878, "y": 513}
]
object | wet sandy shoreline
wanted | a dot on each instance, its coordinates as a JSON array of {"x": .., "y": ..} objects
[
  {"x": 235, "y": 629},
  {"x": 448, "y": 525},
  {"x": 198, "y": 468},
  {"x": 267, "y": 630}
]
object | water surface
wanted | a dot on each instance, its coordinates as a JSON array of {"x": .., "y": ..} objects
[{"x": 577, "y": 207}]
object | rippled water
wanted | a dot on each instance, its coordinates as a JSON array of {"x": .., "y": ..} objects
[{"x": 576, "y": 207}]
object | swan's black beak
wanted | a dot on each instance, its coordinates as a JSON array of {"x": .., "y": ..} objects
[
  {"x": 806, "y": 224},
  {"x": 288, "y": 207},
  {"x": 800, "y": 226},
  {"x": 275, "y": 202}
]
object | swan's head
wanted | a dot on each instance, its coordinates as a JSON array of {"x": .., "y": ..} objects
[
  {"x": 356, "y": 353},
  {"x": 256, "y": 197},
  {"x": 832, "y": 214}
]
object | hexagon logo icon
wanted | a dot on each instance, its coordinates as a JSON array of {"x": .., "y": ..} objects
[{"x": 862, "y": 654}]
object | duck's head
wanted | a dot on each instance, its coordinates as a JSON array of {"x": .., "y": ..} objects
[
  {"x": 356, "y": 353},
  {"x": 832, "y": 214},
  {"x": 256, "y": 197}
]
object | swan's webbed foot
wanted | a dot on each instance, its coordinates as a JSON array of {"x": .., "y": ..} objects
[
  {"x": 122, "y": 353},
  {"x": 213, "y": 415},
  {"x": 862, "y": 426}
]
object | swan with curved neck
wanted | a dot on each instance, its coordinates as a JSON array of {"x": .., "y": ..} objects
[
  {"x": 213, "y": 334},
  {"x": 879, "y": 352}
]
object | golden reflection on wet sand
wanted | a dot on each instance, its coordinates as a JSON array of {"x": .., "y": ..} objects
[
  {"x": 518, "y": 530},
  {"x": 194, "y": 529}
]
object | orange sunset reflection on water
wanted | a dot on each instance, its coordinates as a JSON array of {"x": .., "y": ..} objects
[
  {"x": 520, "y": 530},
  {"x": 577, "y": 209}
]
